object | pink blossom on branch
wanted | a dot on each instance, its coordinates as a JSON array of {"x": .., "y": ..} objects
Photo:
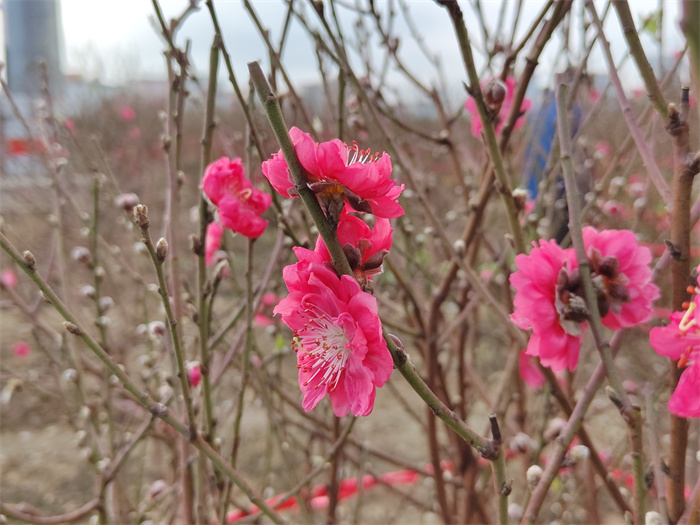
[
  {"x": 364, "y": 248},
  {"x": 337, "y": 337},
  {"x": 505, "y": 101},
  {"x": 339, "y": 175},
  {"x": 681, "y": 340},
  {"x": 240, "y": 205},
  {"x": 544, "y": 303},
  {"x": 213, "y": 241},
  {"x": 8, "y": 278},
  {"x": 621, "y": 276}
]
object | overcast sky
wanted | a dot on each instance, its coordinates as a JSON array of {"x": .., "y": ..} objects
[{"x": 115, "y": 41}]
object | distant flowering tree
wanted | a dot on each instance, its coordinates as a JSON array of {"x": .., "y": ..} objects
[
  {"x": 339, "y": 174},
  {"x": 239, "y": 204}
]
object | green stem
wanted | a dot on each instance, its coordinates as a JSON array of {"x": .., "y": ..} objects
[
  {"x": 172, "y": 323},
  {"x": 279, "y": 127}
]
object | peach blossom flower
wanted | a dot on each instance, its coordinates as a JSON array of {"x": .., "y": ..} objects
[{"x": 470, "y": 106}]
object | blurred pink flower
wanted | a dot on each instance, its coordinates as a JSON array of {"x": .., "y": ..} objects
[
  {"x": 126, "y": 113},
  {"x": 544, "y": 302},
  {"x": 8, "y": 278},
  {"x": 681, "y": 340},
  {"x": 339, "y": 174},
  {"x": 134, "y": 132},
  {"x": 602, "y": 149},
  {"x": 212, "y": 241},
  {"x": 615, "y": 209},
  {"x": 477, "y": 125},
  {"x": 262, "y": 318},
  {"x": 365, "y": 248},
  {"x": 69, "y": 124},
  {"x": 194, "y": 374},
  {"x": 593, "y": 95},
  {"x": 529, "y": 371},
  {"x": 337, "y": 337},
  {"x": 636, "y": 186},
  {"x": 621, "y": 275},
  {"x": 127, "y": 201},
  {"x": 240, "y": 205},
  {"x": 21, "y": 349}
]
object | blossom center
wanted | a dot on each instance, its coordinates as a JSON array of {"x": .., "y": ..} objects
[
  {"x": 355, "y": 154},
  {"x": 322, "y": 346}
]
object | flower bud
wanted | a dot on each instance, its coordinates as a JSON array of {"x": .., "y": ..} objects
[
  {"x": 69, "y": 375},
  {"x": 494, "y": 93},
  {"x": 162, "y": 249},
  {"x": 30, "y": 260},
  {"x": 554, "y": 428},
  {"x": 106, "y": 303},
  {"x": 157, "y": 488},
  {"x": 156, "y": 328},
  {"x": 194, "y": 374},
  {"x": 82, "y": 255},
  {"x": 127, "y": 201},
  {"x": 99, "y": 272},
  {"x": 87, "y": 291},
  {"x": 533, "y": 475},
  {"x": 578, "y": 453},
  {"x": 653, "y": 518},
  {"x": 72, "y": 328},
  {"x": 102, "y": 321},
  {"x": 141, "y": 216}
]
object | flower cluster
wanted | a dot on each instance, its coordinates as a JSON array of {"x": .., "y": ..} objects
[
  {"x": 550, "y": 299},
  {"x": 239, "y": 204},
  {"x": 338, "y": 336},
  {"x": 498, "y": 97},
  {"x": 339, "y": 175},
  {"x": 680, "y": 340}
]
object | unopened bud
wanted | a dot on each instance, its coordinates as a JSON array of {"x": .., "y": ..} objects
[
  {"x": 653, "y": 518},
  {"x": 460, "y": 247},
  {"x": 161, "y": 249},
  {"x": 69, "y": 375},
  {"x": 554, "y": 428},
  {"x": 99, "y": 272},
  {"x": 494, "y": 92},
  {"x": 522, "y": 443},
  {"x": 578, "y": 453},
  {"x": 196, "y": 244},
  {"x": 157, "y": 488},
  {"x": 103, "y": 464},
  {"x": 106, "y": 303},
  {"x": 127, "y": 201},
  {"x": 81, "y": 254},
  {"x": 87, "y": 291},
  {"x": 141, "y": 216},
  {"x": 156, "y": 328},
  {"x": 102, "y": 321},
  {"x": 534, "y": 475},
  {"x": 30, "y": 260},
  {"x": 73, "y": 328}
]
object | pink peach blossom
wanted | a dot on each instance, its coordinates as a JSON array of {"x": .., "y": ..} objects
[
  {"x": 21, "y": 349},
  {"x": 240, "y": 205},
  {"x": 336, "y": 171},
  {"x": 337, "y": 337},
  {"x": 262, "y": 318},
  {"x": 477, "y": 125},
  {"x": 365, "y": 248},
  {"x": 194, "y": 375},
  {"x": 621, "y": 274},
  {"x": 213, "y": 241},
  {"x": 8, "y": 278},
  {"x": 127, "y": 113},
  {"x": 531, "y": 374},
  {"x": 681, "y": 340},
  {"x": 545, "y": 303}
]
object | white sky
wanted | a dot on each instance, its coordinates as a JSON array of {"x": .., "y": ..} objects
[{"x": 115, "y": 41}]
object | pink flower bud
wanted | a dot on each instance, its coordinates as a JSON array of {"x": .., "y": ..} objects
[
  {"x": 8, "y": 278},
  {"x": 21, "y": 349}
]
